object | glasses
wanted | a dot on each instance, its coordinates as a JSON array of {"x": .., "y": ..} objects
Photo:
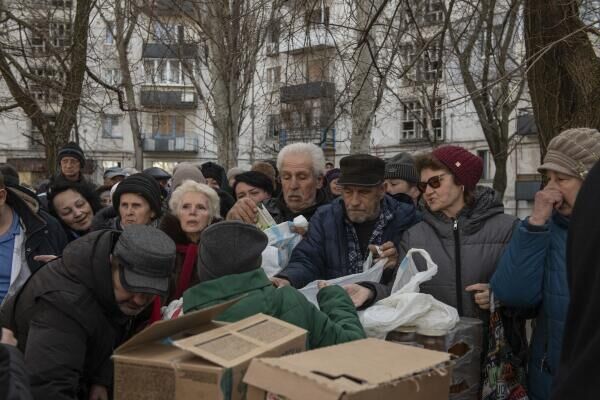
[{"x": 435, "y": 182}]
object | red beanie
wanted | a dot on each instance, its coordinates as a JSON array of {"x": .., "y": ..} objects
[{"x": 465, "y": 166}]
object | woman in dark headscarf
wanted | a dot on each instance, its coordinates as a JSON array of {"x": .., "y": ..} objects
[{"x": 579, "y": 365}]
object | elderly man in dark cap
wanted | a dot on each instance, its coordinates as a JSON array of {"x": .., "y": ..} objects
[
  {"x": 71, "y": 161},
  {"x": 71, "y": 314},
  {"x": 341, "y": 234},
  {"x": 229, "y": 266}
]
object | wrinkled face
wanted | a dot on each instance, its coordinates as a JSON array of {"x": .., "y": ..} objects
[
  {"x": 70, "y": 167},
  {"x": 134, "y": 209},
  {"x": 129, "y": 303},
  {"x": 362, "y": 202},
  {"x": 568, "y": 186},
  {"x": 335, "y": 188},
  {"x": 194, "y": 212},
  {"x": 74, "y": 210},
  {"x": 213, "y": 183},
  {"x": 255, "y": 194},
  {"x": 446, "y": 196},
  {"x": 105, "y": 199},
  {"x": 299, "y": 183}
]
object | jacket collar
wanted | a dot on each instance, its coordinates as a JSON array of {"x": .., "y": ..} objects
[
  {"x": 28, "y": 211},
  {"x": 224, "y": 288}
]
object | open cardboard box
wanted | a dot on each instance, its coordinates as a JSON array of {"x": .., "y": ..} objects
[
  {"x": 364, "y": 369},
  {"x": 192, "y": 357}
]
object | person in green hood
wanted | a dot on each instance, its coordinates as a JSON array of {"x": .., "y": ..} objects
[{"x": 229, "y": 260}]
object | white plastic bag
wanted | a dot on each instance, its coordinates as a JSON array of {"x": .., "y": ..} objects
[
  {"x": 405, "y": 306},
  {"x": 282, "y": 242},
  {"x": 372, "y": 274}
]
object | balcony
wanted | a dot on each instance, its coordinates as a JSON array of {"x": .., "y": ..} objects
[
  {"x": 316, "y": 37},
  {"x": 170, "y": 144},
  {"x": 169, "y": 8},
  {"x": 322, "y": 137},
  {"x": 307, "y": 91},
  {"x": 170, "y": 50},
  {"x": 169, "y": 98}
]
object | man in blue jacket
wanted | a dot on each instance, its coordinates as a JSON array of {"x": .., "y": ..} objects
[{"x": 342, "y": 233}]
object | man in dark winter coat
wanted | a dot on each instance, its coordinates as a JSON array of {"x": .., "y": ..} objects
[
  {"x": 301, "y": 167},
  {"x": 27, "y": 233},
  {"x": 342, "y": 234},
  {"x": 71, "y": 314}
]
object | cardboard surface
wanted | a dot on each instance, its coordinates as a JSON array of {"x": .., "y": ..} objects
[
  {"x": 194, "y": 357},
  {"x": 364, "y": 369}
]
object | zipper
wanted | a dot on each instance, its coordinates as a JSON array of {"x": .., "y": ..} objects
[{"x": 458, "y": 272}]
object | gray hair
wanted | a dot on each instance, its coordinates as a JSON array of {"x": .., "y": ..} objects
[
  {"x": 190, "y": 186},
  {"x": 308, "y": 149}
]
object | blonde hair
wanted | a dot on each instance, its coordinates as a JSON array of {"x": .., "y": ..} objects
[{"x": 190, "y": 186}]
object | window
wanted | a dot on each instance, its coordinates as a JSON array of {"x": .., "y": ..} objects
[
  {"x": 317, "y": 15},
  {"x": 418, "y": 123},
  {"x": 274, "y": 78},
  {"x": 112, "y": 76},
  {"x": 60, "y": 34},
  {"x": 434, "y": 12},
  {"x": 273, "y": 125},
  {"x": 165, "y": 72},
  {"x": 165, "y": 32},
  {"x": 36, "y": 139},
  {"x": 108, "y": 34},
  {"x": 168, "y": 126},
  {"x": 428, "y": 67},
  {"x": 485, "y": 157},
  {"x": 110, "y": 126}
]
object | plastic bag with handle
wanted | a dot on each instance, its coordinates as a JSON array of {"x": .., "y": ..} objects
[{"x": 406, "y": 306}]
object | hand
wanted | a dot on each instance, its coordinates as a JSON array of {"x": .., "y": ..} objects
[
  {"x": 45, "y": 258},
  {"x": 243, "y": 210},
  {"x": 8, "y": 337},
  {"x": 546, "y": 201},
  {"x": 359, "y": 294},
  {"x": 280, "y": 282},
  {"x": 98, "y": 392},
  {"x": 388, "y": 250},
  {"x": 299, "y": 230},
  {"x": 322, "y": 284},
  {"x": 482, "y": 294}
]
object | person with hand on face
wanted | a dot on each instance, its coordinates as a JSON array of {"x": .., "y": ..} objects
[
  {"x": 136, "y": 200},
  {"x": 70, "y": 315},
  {"x": 301, "y": 167},
  {"x": 193, "y": 207},
  {"x": 74, "y": 205},
  {"x": 532, "y": 272},
  {"x": 464, "y": 229},
  {"x": 341, "y": 234}
]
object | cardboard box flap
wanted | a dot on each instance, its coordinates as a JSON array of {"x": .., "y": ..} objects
[
  {"x": 163, "y": 329},
  {"x": 349, "y": 367},
  {"x": 240, "y": 341}
]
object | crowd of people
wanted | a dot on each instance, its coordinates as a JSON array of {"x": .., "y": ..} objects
[{"x": 83, "y": 267}]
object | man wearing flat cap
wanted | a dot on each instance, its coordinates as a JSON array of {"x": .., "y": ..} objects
[
  {"x": 341, "y": 234},
  {"x": 72, "y": 313}
]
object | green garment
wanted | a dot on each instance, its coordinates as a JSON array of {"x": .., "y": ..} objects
[{"x": 336, "y": 322}]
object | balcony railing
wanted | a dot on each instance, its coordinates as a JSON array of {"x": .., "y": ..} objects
[
  {"x": 305, "y": 91},
  {"x": 169, "y": 98},
  {"x": 322, "y": 137},
  {"x": 170, "y": 50},
  {"x": 173, "y": 144},
  {"x": 315, "y": 38}
]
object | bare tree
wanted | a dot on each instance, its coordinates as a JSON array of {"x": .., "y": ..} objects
[{"x": 43, "y": 62}]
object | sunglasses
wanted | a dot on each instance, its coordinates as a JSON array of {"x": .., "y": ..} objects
[{"x": 435, "y": 182}]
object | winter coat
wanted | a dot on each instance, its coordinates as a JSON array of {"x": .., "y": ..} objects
[
  {"x": 14, "y": 381},
  {"x": 336, "y": 322},
  {"x": 466, "y": 250},
  {"x": 532, "y": 273},
  {"x": 44, "y": 235},
  {"x": 67, "y": 321},
  {"x": 281, "y": 213},
  {"x": 323, "y": 254}
]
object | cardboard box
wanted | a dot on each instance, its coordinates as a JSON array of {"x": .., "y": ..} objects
[
  {"x": 192, "y": 357},
  {"x": 364, "y": 369}
]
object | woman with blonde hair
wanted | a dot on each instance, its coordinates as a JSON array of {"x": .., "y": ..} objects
[{"x": 193, "y": 206}]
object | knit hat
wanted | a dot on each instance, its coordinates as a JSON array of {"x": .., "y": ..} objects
[
  {"x": 229, "y": 247},
  {"x": 72, "y": 149},
  {"x": 361, "y": 170},
  {"x": 401, "y": 166},
  {"x": 332, "y": 174},
  {"x": 213, "y": 170},
  {"x": 233, "y": 172},
  {"x": 465, "y": 166},
  {"x": 185, "y": 171},
  {"x": 256, "y": 179},
  {"x": 146, "y": 256},
  {"x": 573, "y": 152},
  {"x": 143, "y": 185},
  {"x": 267, "y": 169}
]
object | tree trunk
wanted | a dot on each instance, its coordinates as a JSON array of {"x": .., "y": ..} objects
[
  {"x": 563, "y": 71},
  {"x": 500, "y": 177}
]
